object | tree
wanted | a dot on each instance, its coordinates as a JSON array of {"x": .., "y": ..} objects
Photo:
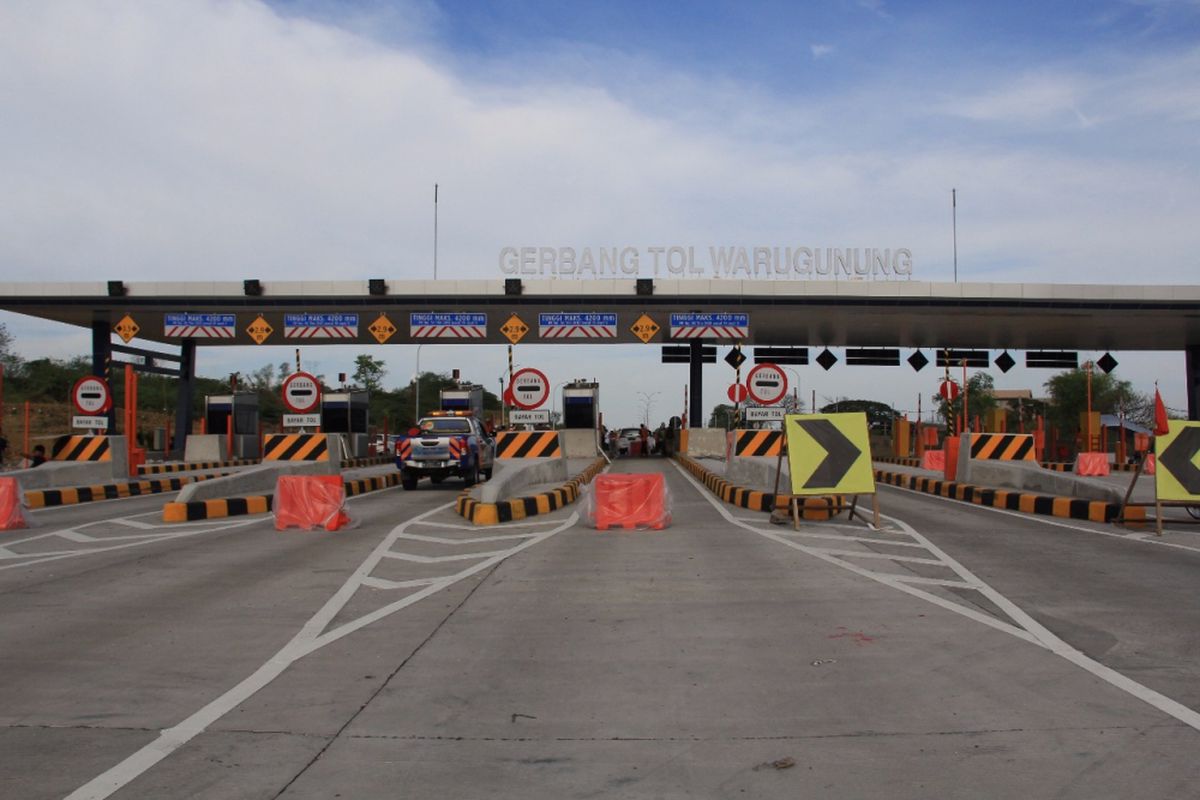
[
  {"x": 721, "y": 417},
  {"x": 260, "y": 379},
  {"x": 1068, "y": 398},
  {"x": 10, "y": 360},
  {"x": 981, "y": 399},
  {"x": 879, "y": 415},
  {"x": 369, "y": 372}
]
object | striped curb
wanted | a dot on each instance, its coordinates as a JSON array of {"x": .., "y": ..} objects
[
  {"x": 1069, "y": 466},
  {"x": 46, "y": 498},
  {"x": 157, "y": 469},
  {"x": 815, "y": 508},
  {"x": 262, "y": 503},
  {"x": 189, "y": 466},
  {"x": 369, "y": 461},
  {"x": 522, "y": 507},
  {"x": 904, "y": 462},
  {"x": 1013, "y": 500},
  {"x": 1056, "y": 466}
]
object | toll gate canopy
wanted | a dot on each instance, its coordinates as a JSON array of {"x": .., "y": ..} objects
[{"x": 847, "y": 313}]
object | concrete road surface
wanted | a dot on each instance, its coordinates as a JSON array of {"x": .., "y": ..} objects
[{"x": 958, "y": 653}]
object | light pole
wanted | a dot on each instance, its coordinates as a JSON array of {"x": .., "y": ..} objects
[
  {"x": 417, "y": 396},
  {"x": 647, "y": 401},
  {"x": 795, "y": 387},
  {"x": 503, "y": 403},
  {"x": 1087, "y": 368}
]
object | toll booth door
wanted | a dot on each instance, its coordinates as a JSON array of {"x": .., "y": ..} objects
[{"x": 216, "y": 418}]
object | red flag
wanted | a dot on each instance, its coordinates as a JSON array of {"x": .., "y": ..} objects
[{"x": 1160, "y": 415}]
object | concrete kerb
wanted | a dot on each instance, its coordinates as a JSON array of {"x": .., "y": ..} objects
[
  {"x": 1012, "y": 500},
  {"x": 480, "y": 513},
  {"x": 814, "y": 508},
  {"x": 758, "y": 471},
  {"x": 511, "y": 476},
  {"x": 707, "y": 442},
  {"x": 258, "y": 479},
  {"x": 262, "y": 503},
  {"x": 580, "y": 442},
  {"x": 189, "y": 466},
  {"x": 47, "y": 498},
  {"x": 68, "y": 474},
  {"x": 1027, "y": 477}
]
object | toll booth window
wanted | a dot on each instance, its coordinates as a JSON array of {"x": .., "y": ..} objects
[
  {"x": 245, "y": 420},
  {"x": 579, "y": 415},
  {"x": 217, "y": 419},
  {"x": 445, "y": 425},
  {"x": 335, "y": 420}
]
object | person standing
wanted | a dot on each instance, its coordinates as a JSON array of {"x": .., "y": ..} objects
[
  {"x": 644, "y": 437},
  {"x": 37, "y": 457},
  {"x": 3, "y": 449}
]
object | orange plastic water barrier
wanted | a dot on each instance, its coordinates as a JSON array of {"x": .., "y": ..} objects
[
  {"x": 934, "y": 460},
  {"x": 310, "y": 501},
  {"x": 950, "y": 448},
  {"x": 1091, "y": 464},
  {"x": 10, "y": 505},
  {"x": 631, "y": 501}
]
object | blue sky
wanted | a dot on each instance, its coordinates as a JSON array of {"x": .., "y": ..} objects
[{"x": 235, "y": 138}]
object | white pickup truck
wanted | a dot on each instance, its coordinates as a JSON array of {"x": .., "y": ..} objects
[{"x": 445, "y": 444}]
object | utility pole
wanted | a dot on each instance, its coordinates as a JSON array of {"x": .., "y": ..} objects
[{"x": 954, "y": 224}]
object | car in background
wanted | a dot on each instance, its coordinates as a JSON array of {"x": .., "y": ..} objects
[
  {"x": 379, "y": 447},
  {"x": 626, "y": 438}
]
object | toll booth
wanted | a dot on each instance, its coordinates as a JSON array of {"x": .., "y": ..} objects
[
  {"x": 242, "y": 409},
  {"x": 581, "y": 404},
  {"x": 347, "y": 412}
]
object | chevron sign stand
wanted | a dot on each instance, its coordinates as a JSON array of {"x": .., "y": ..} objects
[{"x": 830, "y": 455}]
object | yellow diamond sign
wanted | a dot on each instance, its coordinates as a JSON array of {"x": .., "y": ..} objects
[
  {"x": 127, "y": 328},
  {"x": 645, "y": 328},
  {"x": 829, "y": 453},
  {"x": 382, "y": 329},
  {"x": 259, "y": 330},
  {"x": 515, "y": 329}
]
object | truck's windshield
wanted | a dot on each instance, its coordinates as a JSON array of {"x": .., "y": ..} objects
[{"x": 445, "y": 425}]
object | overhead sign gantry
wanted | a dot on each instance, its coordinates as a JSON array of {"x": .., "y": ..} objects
[{"x": 779, "y": 314}]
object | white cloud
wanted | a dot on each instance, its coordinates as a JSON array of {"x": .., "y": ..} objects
[
  {"x": 152, "y": 141},
  {"x": 819, "y": 51}
]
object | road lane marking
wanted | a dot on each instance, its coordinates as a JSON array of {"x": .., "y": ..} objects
[
  {"x": 310, "y": 638},
  {"x": 416, "y": 537},
  {"x": 1029, "y": 629},
  {"x": 871, "y": 554},
  {"x": 31, "y": 559},
  {"x": 1126, "y": 537}
]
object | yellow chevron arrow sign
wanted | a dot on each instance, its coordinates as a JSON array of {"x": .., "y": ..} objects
[{"x": 829, "y": 454}]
